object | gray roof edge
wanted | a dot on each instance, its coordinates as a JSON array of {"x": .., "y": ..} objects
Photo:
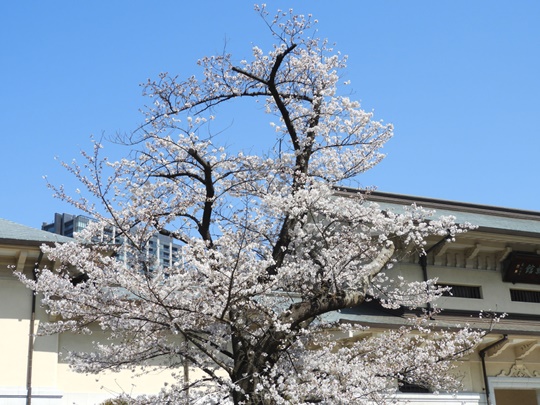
[
  {"x": 14, "y": 233},
  {"x": 378, "y": 196}
]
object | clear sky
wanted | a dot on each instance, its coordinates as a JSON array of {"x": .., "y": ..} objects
[{"x": 459, "y": 79}]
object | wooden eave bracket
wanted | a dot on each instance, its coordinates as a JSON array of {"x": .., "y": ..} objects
[
  {"x": 21, "y": 260},
  {"x": 499, "y": 348},
  {"x": 504, "y": 254},
  {"x": 472, "y": 253},
  {"x": 525, "y": 348}
]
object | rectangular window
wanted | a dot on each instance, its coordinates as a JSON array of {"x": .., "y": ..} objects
[
  {"x": 525, "y": 296},
  {"x": 463, "y": 291},
  {"x": 406, "y": 387}
]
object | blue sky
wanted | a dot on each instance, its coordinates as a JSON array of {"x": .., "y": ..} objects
[{"x": 459, "y": 80}]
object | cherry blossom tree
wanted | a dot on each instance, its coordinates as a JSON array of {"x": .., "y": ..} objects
[{"x": 269, "y": 250}]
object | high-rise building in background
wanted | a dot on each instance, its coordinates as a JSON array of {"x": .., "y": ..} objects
[{"x": 161, "y": 247}]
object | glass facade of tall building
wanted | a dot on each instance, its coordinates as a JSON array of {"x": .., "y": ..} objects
[
  {"x": 66, "y": 224},
  {"x": 160, "y": 247}
]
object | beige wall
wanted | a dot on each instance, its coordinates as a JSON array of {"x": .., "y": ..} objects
[
  {"x": 495, "y": 292},
  {"x": 14, "y": 326},
  {"x": 53, "y": 382}
]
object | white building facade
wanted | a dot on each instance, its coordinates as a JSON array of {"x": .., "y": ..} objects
[{"x": 495, "y": 269}]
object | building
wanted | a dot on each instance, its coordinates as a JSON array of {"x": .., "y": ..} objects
[
  {"x": 160, "y": 247},
  {"x": 495, "y": 267},
  {"x": 32, "y": 368},
  {"x": 23, "y": 356},
  {"x": 66, "y": 224}
]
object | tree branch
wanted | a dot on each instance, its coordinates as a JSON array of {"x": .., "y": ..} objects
[
  {"x": 204, "y": 228},
  {"x": 302, "y": 311}
]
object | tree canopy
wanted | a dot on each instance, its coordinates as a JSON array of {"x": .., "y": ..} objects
[{"x": 269, "y": 252}]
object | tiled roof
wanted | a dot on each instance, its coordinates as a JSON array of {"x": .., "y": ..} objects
[
  {"x": 499, "y": 221},
  {"x": 13, "y": 232},
  {"x": 484, "y": 216}
]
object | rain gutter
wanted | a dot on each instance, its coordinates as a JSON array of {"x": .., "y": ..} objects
[
  {"x": 422, "y": 260},
  {"x": 31, "y": 336},
  {"x": 482, "y": 354}
]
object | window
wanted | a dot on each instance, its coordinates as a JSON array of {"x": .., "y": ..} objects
[
  {"x": 462, "y": 291},
  {"x": 406, "y": 387},
  {"x": 525, "y": 296}
]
